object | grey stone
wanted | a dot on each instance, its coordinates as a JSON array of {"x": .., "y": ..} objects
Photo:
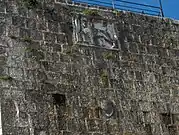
[{"x": 63, "y": 72}]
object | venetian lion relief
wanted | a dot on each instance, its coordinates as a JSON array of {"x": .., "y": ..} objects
[{"x": 95, "y": 32}]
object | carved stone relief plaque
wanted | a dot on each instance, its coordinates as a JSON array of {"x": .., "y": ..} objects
[{"x": 95, "y": 32}]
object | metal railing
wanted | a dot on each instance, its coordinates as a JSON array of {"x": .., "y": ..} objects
[{"x": 126, "y": 6}]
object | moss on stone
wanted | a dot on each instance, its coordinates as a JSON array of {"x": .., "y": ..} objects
[
  {"x": 6, "y": 78},
  {"x": 91, "y": 12}
]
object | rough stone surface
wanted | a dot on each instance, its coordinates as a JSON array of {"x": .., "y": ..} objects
[{"x": 66, "y": 73}]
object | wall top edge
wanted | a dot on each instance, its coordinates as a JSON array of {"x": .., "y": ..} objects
[{"x": 110, "y": 10}]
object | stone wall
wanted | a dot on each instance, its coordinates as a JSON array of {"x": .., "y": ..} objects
[{"x": 69, "y": 71}]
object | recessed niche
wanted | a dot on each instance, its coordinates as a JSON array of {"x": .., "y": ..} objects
[
  {"x": 148, "y": 129},
  {"x": 167, "y": 118},
  {"x": 59, "y": 99},
  {"x": 172, "y": 130}
]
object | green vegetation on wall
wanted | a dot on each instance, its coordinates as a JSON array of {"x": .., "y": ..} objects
[
  {"x": 6, "y": 78},
  {"x": 30, "y": 4},
  {"x": 91, "y": 12},
  {"x": 104, "y": 78}
]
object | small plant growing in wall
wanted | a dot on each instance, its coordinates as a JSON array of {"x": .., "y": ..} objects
[
  {"x": 30, "y": 4},
  {"x": 72, "y": 50},
  {"x": 68, "y": 51},
  {"x": 27, "y": 39},
  {"x": 104, "y": 78},
  {"x": 35, "y": 53},
  {"x": 109, "y": 56},
  {"x": 6, "y": 78},
  {"x": 30, "y": 49},
  {"x": 116, "y": 12},
  {"x": 91, "y": 12}
]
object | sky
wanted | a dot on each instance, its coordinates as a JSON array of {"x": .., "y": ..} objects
[{"x": 170, "y": 7}]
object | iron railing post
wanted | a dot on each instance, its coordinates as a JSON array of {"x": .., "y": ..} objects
[
  {"x": 113, "y": 4},
  {"x": 126, "y": 6},
  {"x": 161, "y": 8}
]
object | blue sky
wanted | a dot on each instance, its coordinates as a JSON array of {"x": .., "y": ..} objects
[{"x": 170, "y": 7}]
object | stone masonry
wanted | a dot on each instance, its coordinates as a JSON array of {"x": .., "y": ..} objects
[{"x": 69, "y": 70}]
